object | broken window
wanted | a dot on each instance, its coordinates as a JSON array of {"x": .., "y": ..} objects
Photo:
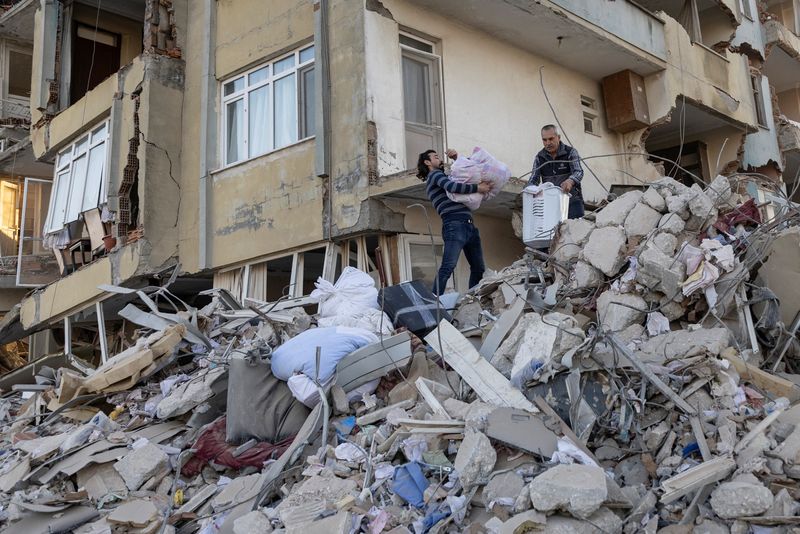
[
  {"x": 417, "y": 261},
  {"x": 589, "y": 107},
  {"x": 268, "y": 107},
  {"x": 744, "y": 8},
  {"x": 79, "y": 183},
  {"x": 19, "y": 74},
  {"x": 422, "y": 98},
  {"x": 758, "y": 100},
  {"x": 96, "y": 56}
]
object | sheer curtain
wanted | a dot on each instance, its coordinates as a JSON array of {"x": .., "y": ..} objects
[
  {"x": 230, "y": 280},
  {"x": 415, "y": 91},
  {"x": 257, "y": 281},
  {"x": 285, "y": 111},
  {"x": 259, "y": 121},
  {"x": 235, "y": 148},
  {"x": 690, "y": 20}
]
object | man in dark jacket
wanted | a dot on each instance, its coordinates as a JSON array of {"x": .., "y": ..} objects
[
  {"x": 559, "y": 164},
  {"x": 458, "y": 231}
]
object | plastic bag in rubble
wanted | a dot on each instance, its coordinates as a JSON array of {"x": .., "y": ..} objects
[
  {"x": 99, "y": 423},
  {"x": 480, "y": 166},
  {"x": 353, "y": 292}
]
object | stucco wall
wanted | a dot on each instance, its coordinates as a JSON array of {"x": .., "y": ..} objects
[
  {"x": 492, "y": 97},
  {"x": 789, "y": 103}
]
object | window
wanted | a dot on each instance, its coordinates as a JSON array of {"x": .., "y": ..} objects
[
  {"x": 19, "y": 74},
  {"x": 417, "y": 262},
  {"x": 758, "y": 100},
  {"x": 292, "y": 275},
  {"x": 589, "y": 107},
  {"x": 422, "y": 98},
  {"x": 268, "y": 107},
  {"x": 744, "y": 7},
  {"x": 79, "y": 183}
]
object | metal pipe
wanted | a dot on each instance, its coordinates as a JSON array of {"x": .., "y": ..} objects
[
  {"x": 323, "y": 398},
  {"x": 207, "y": 130}
]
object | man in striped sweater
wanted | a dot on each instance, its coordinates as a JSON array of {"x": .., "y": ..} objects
[{"x": 458, "y": 231}]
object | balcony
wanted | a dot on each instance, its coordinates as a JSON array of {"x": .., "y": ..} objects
[
  {"x": 789, "y": 141},
  {"x": 620, "y": 34},
  {"x": 783, "y": 54}
]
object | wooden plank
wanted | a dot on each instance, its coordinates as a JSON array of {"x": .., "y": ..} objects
[
  {"x": 696, "y": 478},
  {"x": 377, "y": 415},
  {"x": 700, "y": 436},
  {"x": 422, "y": 423},
  {"x": 430, "y": 398},
  {"x": 491, "y": 386},
  {"x": 758, "y": 429},
  {"x": 651, "y": 376},
  {"x": 501, "y": 328},
  {"x": 776, "y": 385}
]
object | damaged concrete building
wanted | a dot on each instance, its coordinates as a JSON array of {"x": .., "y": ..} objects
[{"x": 258, "y": 147}]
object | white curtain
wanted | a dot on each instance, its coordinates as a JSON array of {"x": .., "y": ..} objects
[
  {"x": 230, "y": 280},
  {"x": 415, "y": 91},
  {"x": 689, "y": 18},
  {"x": 257, "y": 281},
  {"x": 259, "y": 125},
  {"x": 286, "y": 111},
  {"x": 235, "y": 148}
]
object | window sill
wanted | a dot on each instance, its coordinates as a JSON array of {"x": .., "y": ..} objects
[{"x": 249, "y": 160}]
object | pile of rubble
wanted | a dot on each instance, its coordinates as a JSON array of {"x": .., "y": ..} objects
[{"x": 639, "y": 378}]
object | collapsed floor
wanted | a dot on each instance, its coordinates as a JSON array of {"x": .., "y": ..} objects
[{"x": 638, "y": 378}]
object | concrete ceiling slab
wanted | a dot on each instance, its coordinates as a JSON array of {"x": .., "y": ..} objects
[
  {"x": 17, "y": 22},
  {"x": 541, "y": 30}
]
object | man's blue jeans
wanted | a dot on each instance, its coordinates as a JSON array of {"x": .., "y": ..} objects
[{"x": 458, "y": 235}]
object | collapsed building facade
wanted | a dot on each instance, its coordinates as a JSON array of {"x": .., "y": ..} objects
[
  {"x": 187, "y": 173},
  {"x": 172, "y": 176}
]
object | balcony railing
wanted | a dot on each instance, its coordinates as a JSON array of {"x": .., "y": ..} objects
[{"x": 14, "y": 112}]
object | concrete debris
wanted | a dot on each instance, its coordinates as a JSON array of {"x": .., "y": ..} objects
[
  {"x": 475, "y": 459},
  {"x": 605, "y": 249},
  {"x": 141, "y": 464},
  {"x": 577, "y": 489},
  {"x": 616, "y": 312},
  {"x": 740, "y": 499},
  {"x": 588, "y": 391}
]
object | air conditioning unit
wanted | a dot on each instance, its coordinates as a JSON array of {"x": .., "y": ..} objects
[{"x": 543, "y": 208}]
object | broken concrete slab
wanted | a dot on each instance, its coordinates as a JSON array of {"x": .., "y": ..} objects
[
  {"x": 641, "y": 220},
  {"x": 605, "y": 249},
  {"x": 311, "y": 498},
  {"x": 187, "y": 395},
  {"x": 475, "y": 459},
  {"x": 578, "y": 489},
  {"x": 671, "y": 223},
  {"x": 740, "y": 499},
  {"x": 586, "y": 275},
  {"x": 140, "y": 464},
  {"x": 654, "y": 199},
  {"x": 685, "y": 344},
  {"x": 617, "y": 211},
  {"x": 602, "y": 521},
  {"x": 503, "y": 489},
  {"x": 136, "y": 513},
  {"x": 572, "y": 235},
  {"x": 524, "y": 522},
  {"x": 253, "y": 523},
  {"x": 617, "y": 311}
]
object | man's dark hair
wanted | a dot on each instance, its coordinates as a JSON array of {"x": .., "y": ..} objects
[
  {"x": 550, "y": 127},
  {"x": 422, "y": 167}
]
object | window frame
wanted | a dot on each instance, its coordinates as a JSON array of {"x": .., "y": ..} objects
[
  {"x": 64, "y": 167},
  {"x": 298, "y": 69},
  {"x": 756, "y": 83},
  {"x": 405, "y": 263},
  {"x": 437, "y": 104},
  {"x": 745, "y": 9},
  {"x": 590, "y": 112}
]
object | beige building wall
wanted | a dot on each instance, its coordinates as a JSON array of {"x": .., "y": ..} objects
[
  {"x": 492, "y": 98},
  {"x": 789, "y": 103}
]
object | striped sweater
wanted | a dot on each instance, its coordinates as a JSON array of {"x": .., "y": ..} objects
[{"x": 438, "y": 185}]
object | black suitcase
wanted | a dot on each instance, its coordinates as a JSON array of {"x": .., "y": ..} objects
[{"x": 413, "y": 305}]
